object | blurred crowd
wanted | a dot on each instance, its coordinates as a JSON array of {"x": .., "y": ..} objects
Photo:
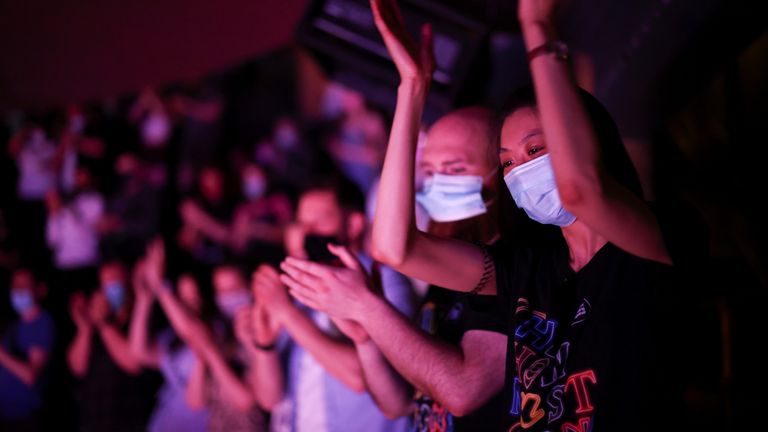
[{"x": 88, "y": 189}]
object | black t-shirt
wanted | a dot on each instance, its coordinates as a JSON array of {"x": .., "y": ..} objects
[
  {"x": 449, "y": 315},
  {"x": 589, "y": 349},
  {"x": 109, "y": 399}
]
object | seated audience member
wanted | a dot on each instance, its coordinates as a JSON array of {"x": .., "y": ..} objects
[{"x": 24, "y": 354}]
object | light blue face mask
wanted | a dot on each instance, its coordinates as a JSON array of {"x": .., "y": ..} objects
[
  {"x": 534, "y": 190},
  {"x": 254, "y": 187},
  {"x": 449, "y": 198},
  {"x": 115, "y": 294},
  {"x": 231, "y": 302},
  {"x": 22, "y": 300}
]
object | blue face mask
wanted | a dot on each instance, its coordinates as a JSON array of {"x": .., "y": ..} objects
[
  {"x": 534, "y": 190},
  {"x": 231, "y": 302},
  {"x": 449, "y": 198},
  {"x": 254, "y": 187},
  {"x": 22, "y": 300},
  {"x": 115, "y": 294}
]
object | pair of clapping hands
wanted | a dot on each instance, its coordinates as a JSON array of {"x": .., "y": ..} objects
[{"x": 335, "y": 290}]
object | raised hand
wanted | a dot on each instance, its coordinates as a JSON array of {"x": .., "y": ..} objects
[
  {"x": 414, "y": 62},
  {"x": 269, "y": 292},
  {"x": 141, "y": 291},
  {"x": 154, "y": 264},
  {"x": 98, "y": 309},
  {"x": 339, "y": 292},
  {"x": 78, "y": 310}
]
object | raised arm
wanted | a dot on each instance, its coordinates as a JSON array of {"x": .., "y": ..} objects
[
  {"x": 461, "y": 379},
  {"x": 142, "y": 349},
  {"x": 79, "y": 350},
  {"x": 115, "y": 342},
  {"x": 26, "y": 370},
  {"x": 258, "y": 334},
  {"x": 585, "y": 189},
  {"x": 396, "y": 241},
  {"x": 336, "y": 356}
]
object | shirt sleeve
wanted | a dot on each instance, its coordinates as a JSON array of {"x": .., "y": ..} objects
[{"x": 398, "y": 291}]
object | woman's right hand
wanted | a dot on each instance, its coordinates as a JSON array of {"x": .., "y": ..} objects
[{"x": 415, "y": 63}]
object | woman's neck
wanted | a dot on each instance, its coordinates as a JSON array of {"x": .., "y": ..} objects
[{"x": 583, "y": 244}]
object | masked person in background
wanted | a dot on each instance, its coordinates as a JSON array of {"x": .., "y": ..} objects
[
  {"x": 169, "y": 354},
  {"x": 332, "y": 370},
  {"x": 111, "y": 393},
  {"x": 24, "y": 354},
  {"x": 259, "y": 222},
  {"x": 212, "y": 379}
]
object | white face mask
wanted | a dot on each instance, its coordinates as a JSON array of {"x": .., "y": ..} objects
[
  {"x": 449, "y": 198},
  {"x": 534, "y": 190},
  {"x": 254, "y": 187},
  {"x": 155, "y": 129},
  {"x": 231, "y": 302}
]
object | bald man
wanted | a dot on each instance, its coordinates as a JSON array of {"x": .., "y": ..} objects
[{"x": 454, "y": 356}]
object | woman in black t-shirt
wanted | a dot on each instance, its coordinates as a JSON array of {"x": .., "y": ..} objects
[{"x": 583, "y": 308}]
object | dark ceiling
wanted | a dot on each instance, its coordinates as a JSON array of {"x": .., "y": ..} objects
[{"x": 55, "y": 52}]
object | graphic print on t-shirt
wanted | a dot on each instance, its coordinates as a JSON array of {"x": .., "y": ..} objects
[{"x": 546, "y": 394}]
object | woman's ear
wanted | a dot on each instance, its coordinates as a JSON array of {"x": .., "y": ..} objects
[{"x": 356, "y": 224}]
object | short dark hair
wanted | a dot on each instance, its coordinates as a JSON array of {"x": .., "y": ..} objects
[{"x": 348, "y": 196}]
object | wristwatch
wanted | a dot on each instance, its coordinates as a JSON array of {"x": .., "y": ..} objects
[{"x": 556, "y": 47}]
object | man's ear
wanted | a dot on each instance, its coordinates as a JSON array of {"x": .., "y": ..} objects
[{"x": 356, "y": 223}]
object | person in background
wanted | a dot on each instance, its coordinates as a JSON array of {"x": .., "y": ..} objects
[
  {"x": 34, "y": 154},
  {"x": 132, "y": 215},
  {"x": 260, "y": 221},
  {"x": 111, "y": 393},
  {"x": 71, "y": 231},
  {"x": 169, "y": 354},
  {"x": 219, "y": 379},
  {"x": 24, "y": 354},
  {"x": 331, "y": 369},
  {"x": 205, "y": 233},
  {"x": 357, "y": 146}
]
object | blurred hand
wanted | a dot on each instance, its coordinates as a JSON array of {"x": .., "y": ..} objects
[
  {"x": 78, "y": 310},
  {"x": 269, "y": 291},
  {"x": 337, "y": 291},
  {"x": 142, "y": 292},
  {"x": 352, "y": 330},
  {"x": 98, "y": 309},
  {"x": 154, "y": 264},
  {"x": 254, "y": 324},
  {"x": 294, "y": 241},
  {"x": 52, "y": 201},
  {"x": 414, "y": 62}
]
